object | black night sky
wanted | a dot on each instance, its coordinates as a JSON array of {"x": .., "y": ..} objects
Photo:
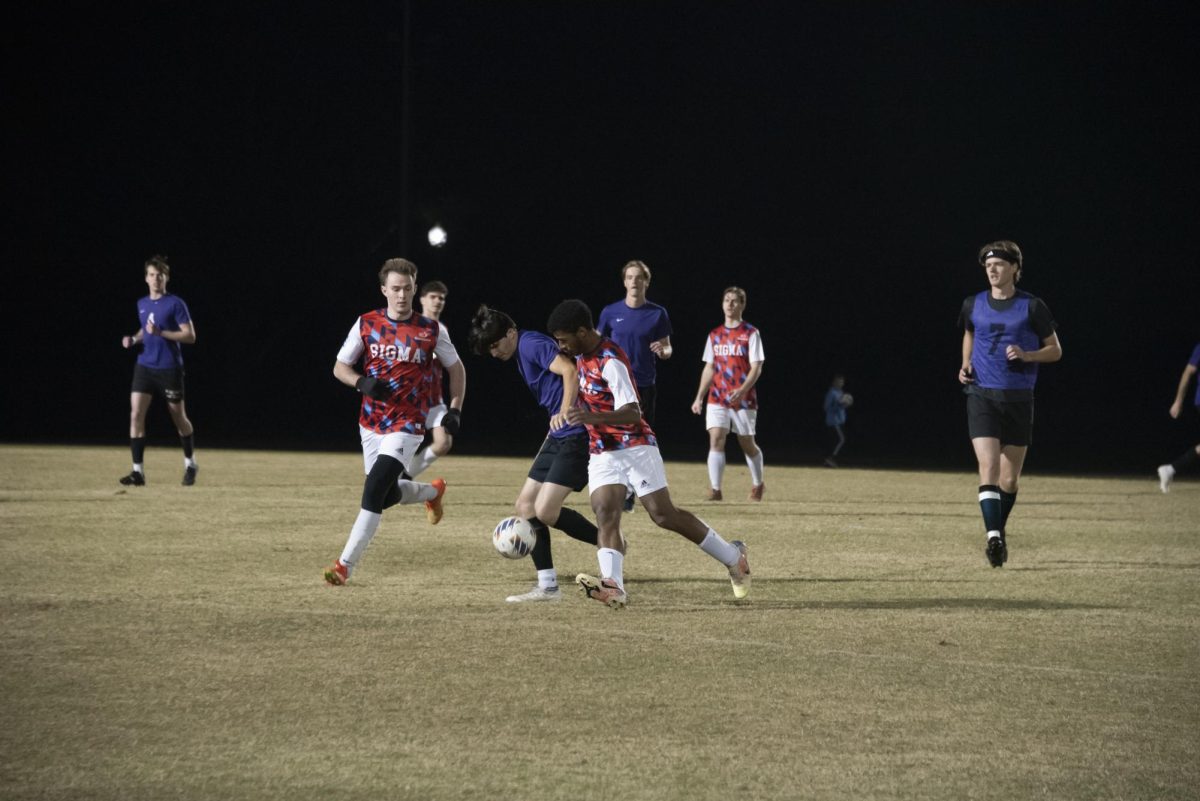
[{"x": 841, "y": 161}]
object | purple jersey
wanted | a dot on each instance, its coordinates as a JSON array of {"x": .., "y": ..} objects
[
  {"x": 1195, "y": 362},
  {"x": 634, "y": 330},
  {"x": 1021, "y": 320},
  {"x": 168, "y": 312},
  {"x": 535, "y": 353}
]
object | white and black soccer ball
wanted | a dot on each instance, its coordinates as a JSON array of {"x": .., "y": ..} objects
[
  {"x": 513, "y": 538},
  {"x": 846, "y": 400}
]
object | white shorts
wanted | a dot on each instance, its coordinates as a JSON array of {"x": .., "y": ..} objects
[
  {"x": 639, "y": 469},
  {"x": 739, "y": 421},
  {"x": 434, "y": 418},
  {"x": 399, "y": 445}
]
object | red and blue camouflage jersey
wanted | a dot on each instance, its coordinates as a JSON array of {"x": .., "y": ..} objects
[
  {"x": 732, "y": 351},
  {"x": 400, "y": 354},
  {"x": 606, "y": 384}
]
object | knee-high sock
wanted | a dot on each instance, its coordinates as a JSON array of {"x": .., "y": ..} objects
[
  {"x": 716, "y": 468},
  {"x": 612, "y": 565},
  {"x": 577, "y": 526},
  {"x": 1007, "y": 500},
  {"x": 1185, "y": 460},
  {"x": 755, "y": 464},
  {"x": 715, "y": 546},
  {"x": 137, "y": 446},
  {"x": 542, "y": 557},
  {"x": 421, "y": 461},
  {"x": 989, "y": 504},
  {"x": 361, "y": 533}
]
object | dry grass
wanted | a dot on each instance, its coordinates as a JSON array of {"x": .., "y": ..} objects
[{"x": 168, "y": 642}]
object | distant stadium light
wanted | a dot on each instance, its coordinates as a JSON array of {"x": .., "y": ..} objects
[{"x": 437, "y": 236}]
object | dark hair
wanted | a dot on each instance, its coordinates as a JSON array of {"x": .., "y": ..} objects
[
  {"x": 433, "y": 286},
  {"x": 158, "y": 262},
  {"x": 402, "y": 266},
  {"x": 488, "y": 327},
  {"x": 570, "y": 316}
]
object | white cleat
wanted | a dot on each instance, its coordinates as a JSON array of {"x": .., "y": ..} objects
[
  {"x": 739, "y": 571},
  {"x": 536, "y": 594},
  {"x": 1166, "y": 474}
]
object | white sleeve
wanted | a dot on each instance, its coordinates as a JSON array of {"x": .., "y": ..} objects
[
  {"x": 708, "y": 354},
  {"x": 620, "y": 383},
  {"x": 445, "y": 350},
  {"x": 756, "y": 349},
  {"x": 352, "y": 348}
]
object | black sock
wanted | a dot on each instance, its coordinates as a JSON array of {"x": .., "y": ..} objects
[
  {"x": 189, "y": 444},
  {"x": 1007, "y": 499},
  {"x": 989, "y": 504},
  {"x": 138, "y": 446},
  {"x": 1185, "y": 460},
  {"x": 542, "y": 560},
  {"x": 578, "y": 527}
]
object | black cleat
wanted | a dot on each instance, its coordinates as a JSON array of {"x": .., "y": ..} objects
[
  {"x": 189, "y": 475},
  {"x": 1003, "y": 547},
  {"x": 134, "y": 479},
  {"x": 996, "y": 552}
]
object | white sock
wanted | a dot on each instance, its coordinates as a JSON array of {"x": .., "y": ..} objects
[
  {"x": 548, "y": 579},
  {"x": 716, "y": 468},
  {"x": 421, "y": 461},
  {"x": 137, "y": 467},
  {"x": 361, "y": 532},
  {"x": 719, "y": 549},
  {"x": 992, "y": 534},
  {"x": 189, "y": 461},
  {"x": 414, "y": 492},
  {"x": 756, "y": 467},
  {"x": 612, "y": 565}
]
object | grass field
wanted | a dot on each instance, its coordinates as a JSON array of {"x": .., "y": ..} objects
[{"x": 178, "y": 643}]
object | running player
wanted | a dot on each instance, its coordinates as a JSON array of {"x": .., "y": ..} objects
[
  {"x": 560, "y": 466},
  {"x": 1007, "y": 333},
  {"x": 624, "y": 455},
  {"x": 164, "y": 324},
  {"x": 396, "y": 348},
  {"x": 433, "y": 303},
  {"x": 733, "y": 360},
  {"x": 1166, "y": 472}
]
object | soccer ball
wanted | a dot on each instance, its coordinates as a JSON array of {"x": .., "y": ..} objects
[
  {"x": 513, "y": 537},
  {"x": 847, "y": 399}
]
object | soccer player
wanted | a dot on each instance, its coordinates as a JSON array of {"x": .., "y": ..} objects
[
  {"x": 433, "y": 303},
  {"x": 642, "y": 329},
  {"x": 560, "y": 466},
  {"x": 396, "y": 348},
  {"x": 624, "y": 455},
  {"x": 733, "y": 361},
  {"x": 164, "y": 324},
  {"x": 1166, "y": 472},
  {"x": 1007, "y": 333},
  {"x": 837, "y": 400}
]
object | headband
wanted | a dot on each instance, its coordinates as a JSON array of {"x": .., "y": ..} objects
[{"x": 1007, "y": 255}]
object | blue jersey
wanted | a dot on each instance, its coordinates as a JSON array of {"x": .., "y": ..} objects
[
  {"x": 168, "y": 312},
  {"x": 535, "y": 353},
  {"x": 634, "y": 330},
  {"x": 835, "y": 412},
  {"x": 1021, "y": 320}
]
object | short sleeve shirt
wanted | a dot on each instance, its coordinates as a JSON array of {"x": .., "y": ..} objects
[
  {"x": 634, "y": 330},
  {"x": 169, "y": 313},
  {"x": 732, "y": 352}
]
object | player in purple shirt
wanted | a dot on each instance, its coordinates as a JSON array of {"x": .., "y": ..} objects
[
  {"x": 164, "y": 324},
  {"x": 432, "y": 297},
  {"x": 1006, "y": 334},
  {"x": 642, "y": 329},
  {"x": 561, "y": 465},
  {"x": 1166, "y": 472}
]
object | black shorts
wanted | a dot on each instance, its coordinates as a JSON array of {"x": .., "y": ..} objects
[
  {"x": 562, "y": 461},
  {"x": 1011, "y": 422},
  {"x": 168, "y": 383}
]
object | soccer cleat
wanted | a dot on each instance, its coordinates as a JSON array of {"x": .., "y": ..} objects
[
  {"x": 739, "y": 571},
  {"x": 1166, "y": 474},
  {"x": 1003, "y": 547},
  {"x": 189, "y": 475},
  {"x": 605, "y": 591},
  {"x": 433, "y": 509},
  {"x": 337, "y": 575},
  {"x": 536, "y": 594},
  {"x": 627, "y": 506},
  {"x": 996, "y": 551},
  {"x": 134, "y": 479},
  {"x": 756, "y": 492},
  {"x": 713, "y": 495}
]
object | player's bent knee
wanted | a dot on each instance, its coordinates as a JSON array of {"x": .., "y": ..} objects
[{"x": 380, "y": 486}]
